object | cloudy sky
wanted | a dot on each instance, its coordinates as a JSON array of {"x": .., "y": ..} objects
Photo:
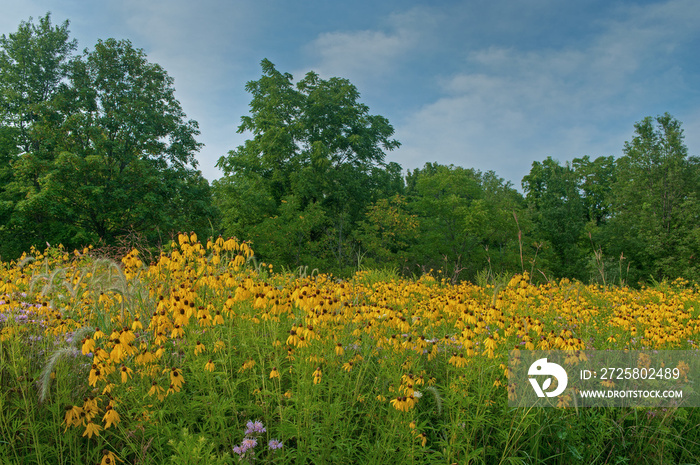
[{"x": 488, "y": 84}]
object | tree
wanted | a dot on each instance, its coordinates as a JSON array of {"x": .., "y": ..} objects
[
  {"x": 554, "y": 199},
  {"x": 34, "y": 63},
  {"x": 101, "y": 147},
  {"x": 314, "y": 145},
  {"x": 466, "y": 220},
  {"x": 655, "y": 203}
]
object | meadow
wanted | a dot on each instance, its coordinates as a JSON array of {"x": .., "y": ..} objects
[{"x": 203, "y": 355}]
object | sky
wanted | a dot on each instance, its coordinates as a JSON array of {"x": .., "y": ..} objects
[{"x": 487, "y": 84}]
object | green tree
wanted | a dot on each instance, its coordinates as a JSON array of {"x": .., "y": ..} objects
[
  {"x": 559, "y": 215},
  {"x": 387, "y": 233},
  {"x": 595, "y": 180},
  {"x": 108, "y": 152},
  {"x": 466, "y": 220},
  {"x": 314, "y": 146},
  {"x": 655, "y": 201},
  {"x": 34, "y": 63}
]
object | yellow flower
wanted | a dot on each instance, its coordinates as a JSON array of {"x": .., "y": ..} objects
[
  {"x": 109, "y": 458},
  {"x": 157, "y": 391},
  {"x": 274, "y": 373},
  {"x": 95, "y": 375},
  {"x": 136, "y": 325},
  {"x": 220, "y": 345},
  {"x": 400, "y": 404},
  {"x": 90, "y": 408},
  {"x": 339, "y": 349},
  {"x": 73, "y": 416},
  {"x": 457, "y": 360},
  {"x": 247, "y": 365},
  {"x": 88, "y": 345},
  {"x": 317, "y": 375},
  {"x": 199, "y": 348},
  {"x": 176, "y": 378},
  {"x": 126, "y": 373},
  {"x": 110, "y": 417},
  {"x": 209, "y": 366},
  {"x": 92, "y": 428}
]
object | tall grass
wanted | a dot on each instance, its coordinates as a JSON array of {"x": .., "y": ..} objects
[{"x": 356, "y": 371}]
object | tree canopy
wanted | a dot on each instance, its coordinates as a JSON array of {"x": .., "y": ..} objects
[
  {"x": 313, "y": 165},
  {"x": 93, "y": 146}
]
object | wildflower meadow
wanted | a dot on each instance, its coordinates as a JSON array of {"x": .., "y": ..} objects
[{"x": 203, "y": 355}]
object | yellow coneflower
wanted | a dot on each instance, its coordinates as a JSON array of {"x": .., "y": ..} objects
[
  {"x": 108, "y": 388},
  {"x": 126, "y": 373},
  {"x": 457, "y": 360},
  {"x": 176, "y": 378},
  {"x": 399, "y": 404},
  {"x": 109, "y": 458},
  {"x": 209, "y": 366},
  {"x": 136, "y": 325},
  {"x": 92, "y": 428},
  {"x": 339, "y": 349},
  {"x": 90, "y": 408},
  {"x": 95, "y": 375},
  {"x": 247, "y": 365},
  {"x": 347, "y": 366},
  {"x": 317, "y": 375},
  {"x": 74, "y": 416},
  {"x": 88, "y": 346},
  {"x": 156, "y": 390},
  {"x": 220, "y": 345},
  {"x": 178, "y": 331},
  {"x": 110, "y": 417},
  {"x": 199, "y": 348},
  {"x": 274, "y": 373},
  {"x": 293, "y": 338}
]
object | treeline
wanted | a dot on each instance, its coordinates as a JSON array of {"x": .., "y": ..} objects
[{"x": 94, "y": 147}]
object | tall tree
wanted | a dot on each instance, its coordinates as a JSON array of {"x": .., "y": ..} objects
[
  {"x": 656, "y": 201},
  {"x": 466, "y": 220},
  {"x": 314, "y": 145},
  {"x": 554, "y": 198},
  {"x": 107, "y": 151},
  {"x": 34, "y": 64}
]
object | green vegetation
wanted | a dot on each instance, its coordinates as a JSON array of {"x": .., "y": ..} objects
[
  {"x": 206, "y": 357},
  {"x": 95, "y": 149}
]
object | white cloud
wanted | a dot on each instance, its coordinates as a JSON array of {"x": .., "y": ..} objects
[
  {"x": 508, "y": 107},
  {"x": 364, "y": 56}
]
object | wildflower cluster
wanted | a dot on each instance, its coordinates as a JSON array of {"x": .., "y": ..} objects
[
  {"x": 253, "y": 430},
  {"x": 143, "y": 337}
]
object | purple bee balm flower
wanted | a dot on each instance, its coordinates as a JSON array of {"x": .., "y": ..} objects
[
  {"x": 248, "y": 443},
  {"x": 252, "y": 428},
  {"x": 274, "y": 444}
]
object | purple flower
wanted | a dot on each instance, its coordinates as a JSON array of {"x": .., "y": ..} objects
[
  {"x": 256, "y": 427},
  {"x": 274, "y": 444},
  {"x": 248, "y": 443}
]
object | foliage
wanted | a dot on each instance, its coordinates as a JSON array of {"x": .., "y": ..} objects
[
  {"x": 656, "y": 200},
  {"x": 94, "y": 146},
  {"x": 317, "y": 154},
  {"x": 223, "y": 361},
  {"x": 466, "y": 220}
]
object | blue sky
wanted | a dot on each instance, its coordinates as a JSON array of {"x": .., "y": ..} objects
[{"x": 492, "y": 85}]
